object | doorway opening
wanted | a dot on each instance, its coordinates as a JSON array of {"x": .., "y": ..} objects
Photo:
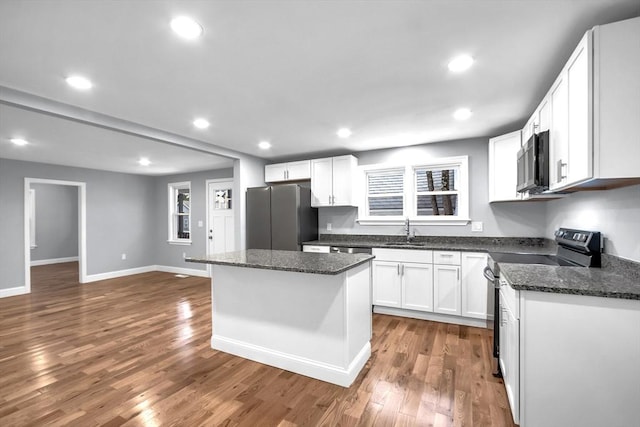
[{"x": 30, "y": 227}]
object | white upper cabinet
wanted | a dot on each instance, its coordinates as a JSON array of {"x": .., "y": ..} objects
[
  {"x": 333, "y": 181},
  {"x": 503, "y": 167},
  {"x": 595, "y": 111},
  {"x": 292, "y": 171}
]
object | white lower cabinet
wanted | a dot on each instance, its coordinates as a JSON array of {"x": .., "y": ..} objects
[
  {"x": 446, "y": 289},
  {"x": 448, "y": 284},
  {"x": 403, "y": 279},
  {"x": 510, "y": 346},
  {"x": 387, "y": 285},
  {"x": 476, "y": 294},
  {"x": 417, "y": 286},
  {"x": 569, "y": 360}
]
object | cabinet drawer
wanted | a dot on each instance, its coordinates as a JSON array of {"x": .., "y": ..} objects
[
  {"x": 318, "y": 249},
  {"x": 403, "y": 255},
  {"x": 446, "y": 257}
]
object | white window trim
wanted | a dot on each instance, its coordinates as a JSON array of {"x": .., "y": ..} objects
[
  {"x": 410, "y": 193},
  {"x": 171, "y": 188}
]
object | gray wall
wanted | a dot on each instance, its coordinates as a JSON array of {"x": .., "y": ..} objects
[
  {"x": 616, "y": 213},
  {"x": 500, "y": 219},
  {"x": 120, "y": 217},
  {"x": 168, "y": 254},
  {"x": 56, "y": 222}
]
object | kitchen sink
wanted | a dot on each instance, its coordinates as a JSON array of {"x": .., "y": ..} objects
[{"x": 409, "y": 244}]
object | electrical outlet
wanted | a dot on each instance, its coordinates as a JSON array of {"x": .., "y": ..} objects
[
  {"x": 124, "y": 256},
  {"x": 200, "y": 224},
  {"x": 476, "y": 226},
  {"x": 328, "y": 226},
  {"x": 184, "y": 254}
]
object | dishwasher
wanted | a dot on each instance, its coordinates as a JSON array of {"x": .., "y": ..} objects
[{"x": 346, "y": 250}]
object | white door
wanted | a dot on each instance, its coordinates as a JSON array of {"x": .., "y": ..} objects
[
  {"x": 220, "y": 220},
  {"x": 417, "y": 287},
  {"x": 276, "y": 172},
  {"x": 579, "y": 137},
  {"x": 321, "y": 182},
  {"x": 343, "y": 167},
  {"x": 386, "y": 284},
  {"x": 446, "y": 289},
  {"x": 503, "y": 167},
  {"x": 559, "y": 134},
  {"x": 476, "y": 294},
  {"x": 299, "y": 170}
]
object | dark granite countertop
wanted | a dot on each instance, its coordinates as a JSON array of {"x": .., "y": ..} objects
[
  {"x": 301, "y": 262},
  {"x": 598, "y": 282},
  {"x": 446, "y": 243},
  {"x": 617, "y": 278}
]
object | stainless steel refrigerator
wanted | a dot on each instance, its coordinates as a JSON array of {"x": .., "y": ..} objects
[{"x": 280, "y": 217}]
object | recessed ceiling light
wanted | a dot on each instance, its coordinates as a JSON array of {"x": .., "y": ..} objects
[
  {"x": 186, "y": 27},
  {"x": 19, "y": 141},
  {"x": 201, "y": 123},
  {"x": 79, "y": 82},
  {"x": 144, "y": 161},
  {"x": 344, "y": 132},
  {"x": 462, "y": 114},
  {"x": 265, "y": 145},
  {"x": 460, "y": 63}
]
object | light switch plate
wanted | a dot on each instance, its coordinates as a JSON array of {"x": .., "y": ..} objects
[
  {"x": 328, "y": 226},
  {"x": 476, "y": 226},
  {"x": 200, "y": 224}
]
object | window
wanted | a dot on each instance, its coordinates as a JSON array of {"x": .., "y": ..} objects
[
  {"x": 385, "y": 193},
  {"x": 429, "y": 192},
  {"x": 436, "y": 192},
  {"x": 180, "y": 212}
]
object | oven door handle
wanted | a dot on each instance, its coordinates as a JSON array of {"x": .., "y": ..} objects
[{"x": 488, "y": 274}]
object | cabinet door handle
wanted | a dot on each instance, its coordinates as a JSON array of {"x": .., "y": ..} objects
[
  {"x": 458, "y": 274},
  {"x": 329, "y": 199},
  {"x": 561, "y": 166},
  {"x": 403, "y": 269},
  {"x": 398, "y": 267}
]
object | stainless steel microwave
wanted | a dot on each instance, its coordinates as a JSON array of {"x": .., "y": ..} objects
[{"x": 533, "y": 164}]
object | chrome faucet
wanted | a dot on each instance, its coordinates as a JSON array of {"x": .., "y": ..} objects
[{"x": 407, "y": 229}]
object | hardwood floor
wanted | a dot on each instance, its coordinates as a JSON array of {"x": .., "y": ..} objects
[{"x": 135, "y": 351}]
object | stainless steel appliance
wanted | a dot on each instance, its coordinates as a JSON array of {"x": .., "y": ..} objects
[
  {"x": 576, "y": 248},
  {"x": 280, "y": 217},
  {"x": 345, "y": 250},
  {"x": 533, "y": 164}
]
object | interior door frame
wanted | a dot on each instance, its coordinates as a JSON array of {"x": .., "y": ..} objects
[
  {"x": 82, "y": 227},
  {"x": 208, "y": 182}
]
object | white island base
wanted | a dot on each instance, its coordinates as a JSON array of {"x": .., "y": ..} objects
[{"x": 316, "y": 325}]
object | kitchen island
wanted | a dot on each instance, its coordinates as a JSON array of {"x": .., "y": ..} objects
[{"x": 307, "y": 313}]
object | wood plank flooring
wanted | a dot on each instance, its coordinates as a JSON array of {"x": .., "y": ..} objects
[{"x": 135, "y": 351}]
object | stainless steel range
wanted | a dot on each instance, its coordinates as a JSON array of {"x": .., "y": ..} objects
[{"x": 576, "y": 248}]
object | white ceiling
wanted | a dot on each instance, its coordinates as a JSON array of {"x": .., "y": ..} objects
[
  {"x": 293, "y": 72},
  {"x": 65, "y": 142}
]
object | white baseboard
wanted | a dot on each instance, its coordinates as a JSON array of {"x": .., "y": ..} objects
[
  {"x": 120, "y": 273},
  {"x": 20, "y": 290},
  {"x": 182, "y": 270},
  {"x": 10, "y": 292},
  {"x": 436, "y": 317},
  {"x": 299, "y": 365},
  {"x": 53, "y": 261}
]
